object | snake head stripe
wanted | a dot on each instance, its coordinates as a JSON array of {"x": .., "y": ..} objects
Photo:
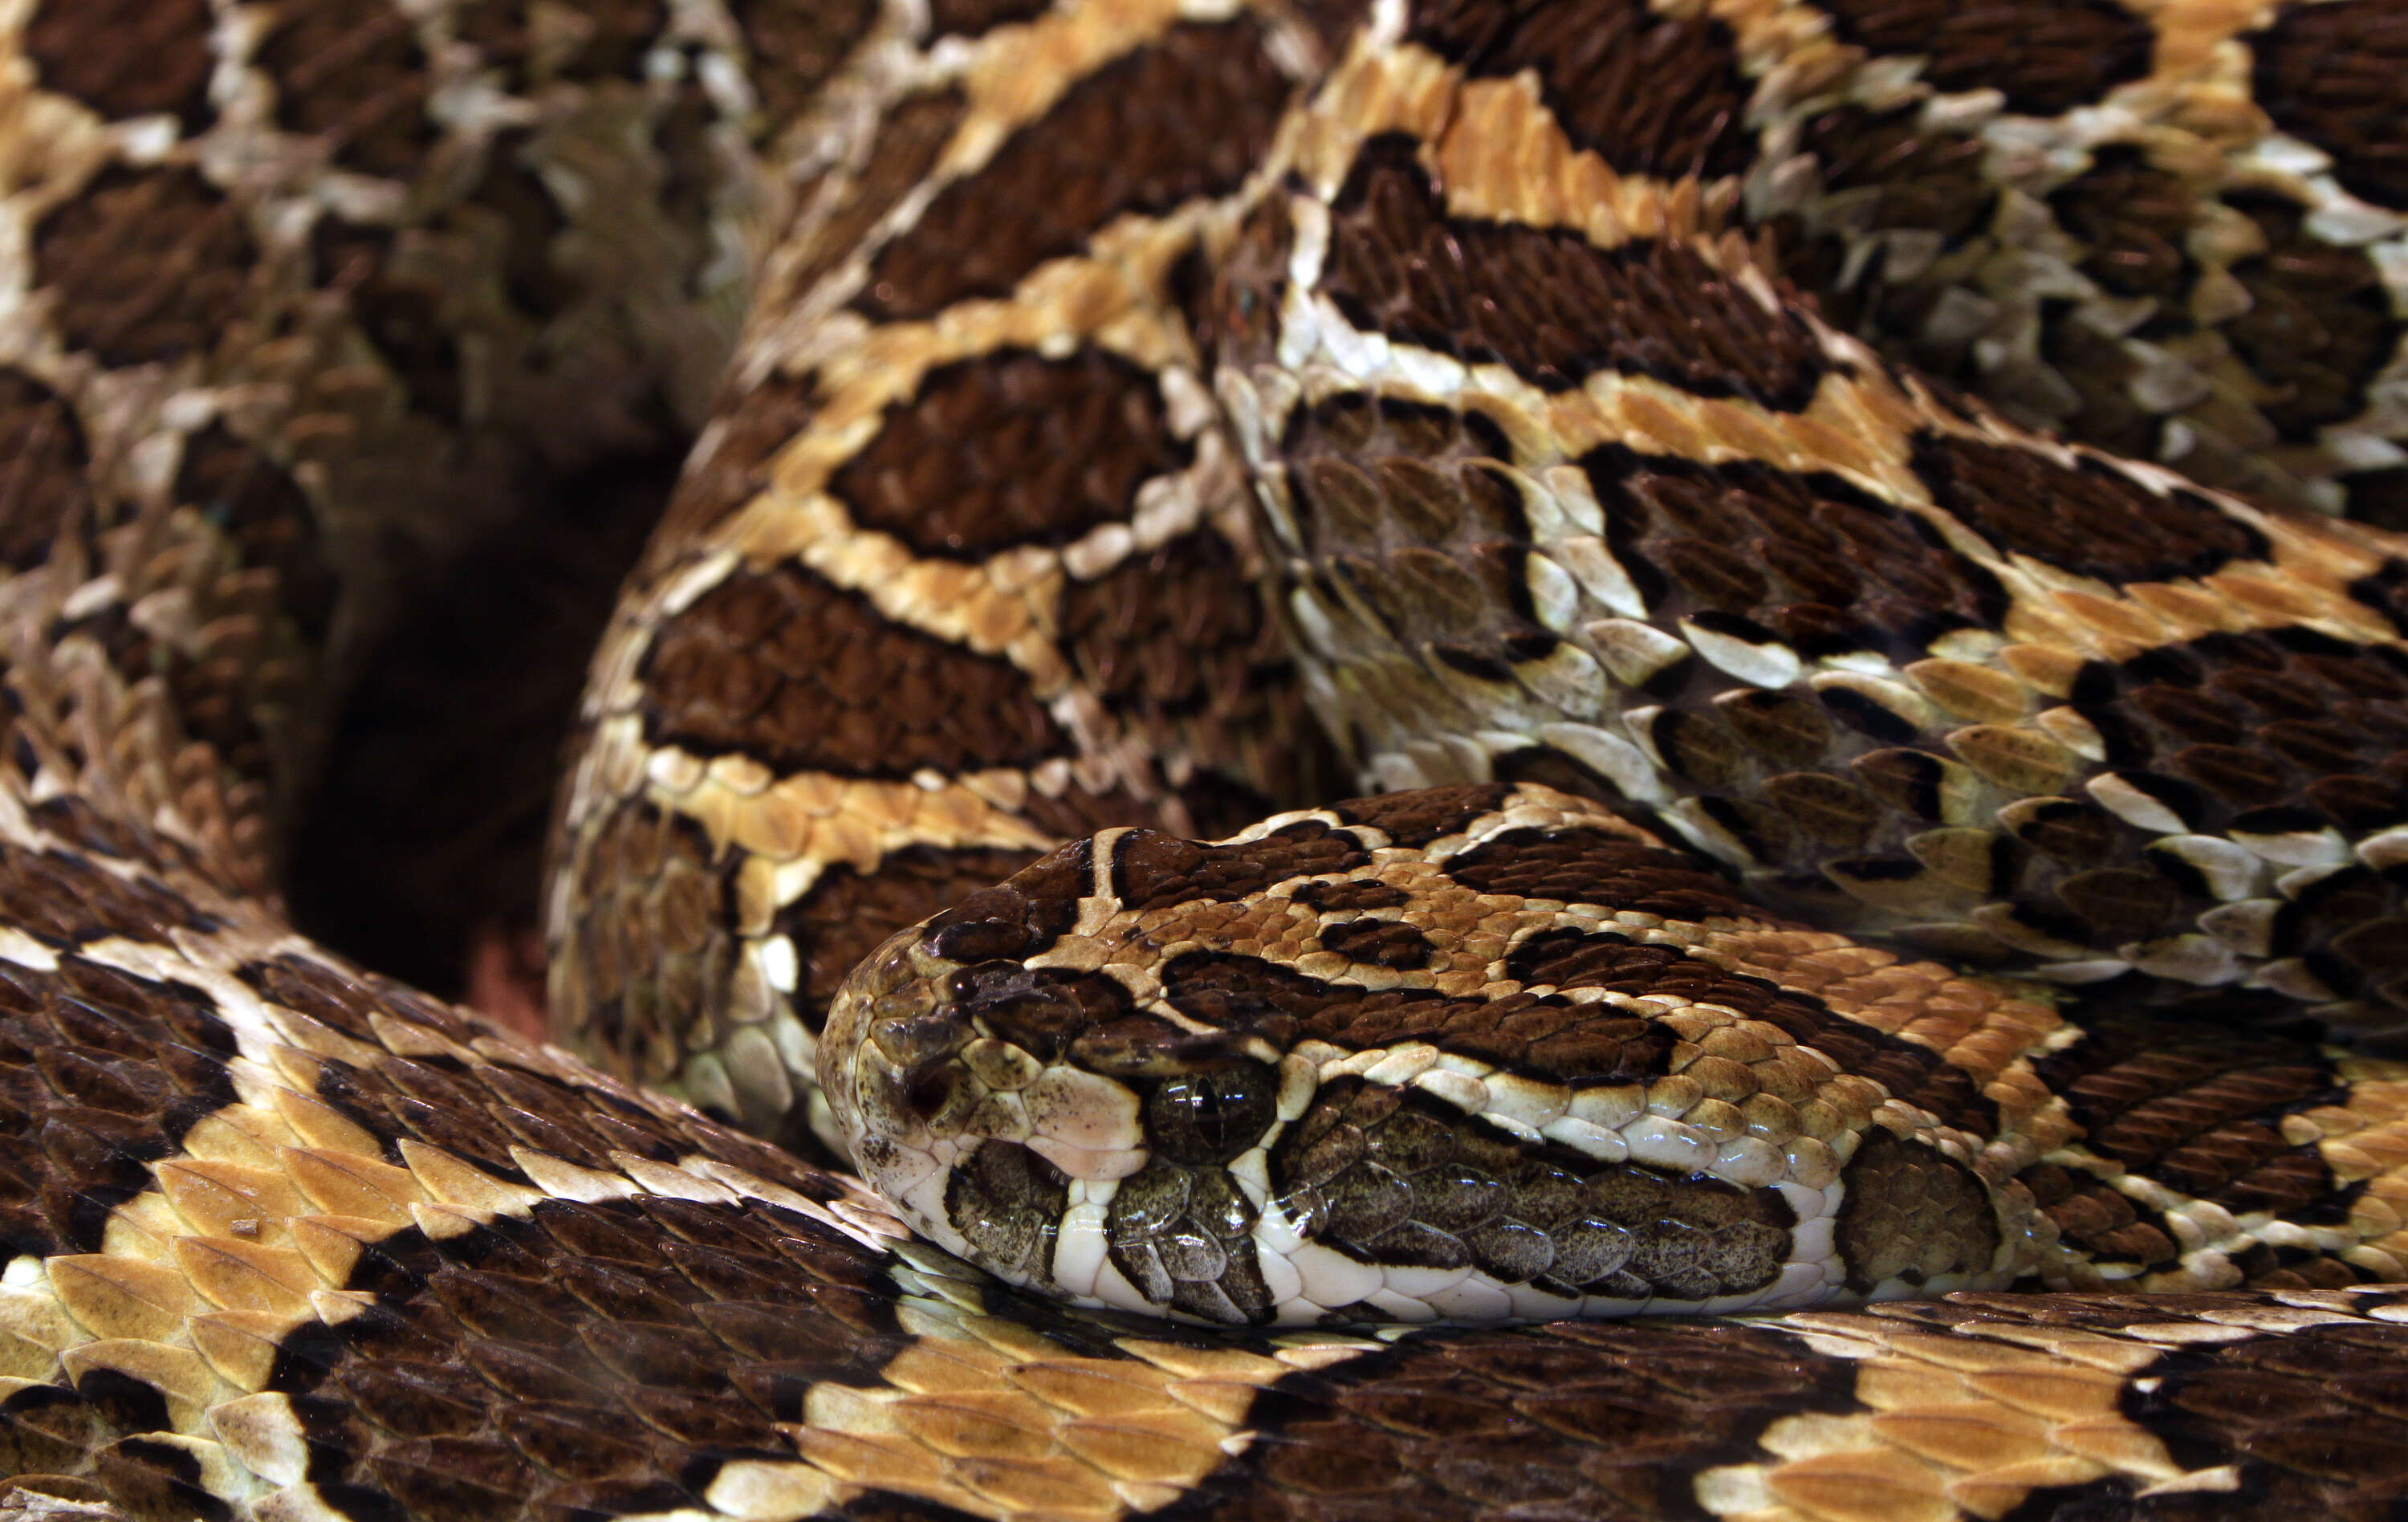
[{"x": 1473, "y": 1053}]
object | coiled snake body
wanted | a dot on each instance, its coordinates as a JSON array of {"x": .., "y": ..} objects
[{"x": 1875, "y": 798}]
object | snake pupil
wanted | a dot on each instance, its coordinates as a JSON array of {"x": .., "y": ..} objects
[{"x": 1210, "y": 1117}]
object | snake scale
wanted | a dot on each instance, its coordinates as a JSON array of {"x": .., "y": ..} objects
[{"x": 1845, "y": 548}]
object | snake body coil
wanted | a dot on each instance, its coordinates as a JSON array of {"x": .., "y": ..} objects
[{"x": 1848, "y": 545}]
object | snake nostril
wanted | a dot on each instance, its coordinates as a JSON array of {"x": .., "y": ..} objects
[{"x": 929, "y": 1090}]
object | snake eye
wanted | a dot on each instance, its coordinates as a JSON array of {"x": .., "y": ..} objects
[{"x": 1213, "y": 1116}]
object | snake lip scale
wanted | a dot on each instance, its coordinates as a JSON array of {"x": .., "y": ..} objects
[{"x": 1508, "y": 759}]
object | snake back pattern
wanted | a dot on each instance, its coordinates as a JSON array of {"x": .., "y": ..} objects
[{"x": 1845, "y": 553}]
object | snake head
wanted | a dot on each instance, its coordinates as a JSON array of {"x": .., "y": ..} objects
[
  {"x": 1025, "y": 1116},
  {"x": 1312, "y": 1074}
]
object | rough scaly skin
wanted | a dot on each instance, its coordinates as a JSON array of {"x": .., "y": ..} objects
[{"x": 289, "y": 1240}]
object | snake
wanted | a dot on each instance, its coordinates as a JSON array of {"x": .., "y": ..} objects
[{"x": 1494, "y": 758}]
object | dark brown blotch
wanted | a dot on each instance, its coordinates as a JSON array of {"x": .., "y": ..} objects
[
  {"x": 911, "y": 133},
  {"x": 1546, "y": 1037},
  {"x": 2135, "y": 219},
  {"x": 1389, "y": 943},
  {"x": 797, "y": 673},
  {"x": 1810, "y": 558},
  {"x": 125, "y": 57},
  {"x": 1568, "y": 1419},
  {"x": 2320, "y": 325},
  {"x": 2198, "y": 1105},
  {"x": 796, "y": 47},
  {"x": 2044, "y": 55},
  {"x": 63, "y": 900},
  {"x": 1152, "y": 870},
  {"x": 1177, "y": 635},
  {"x": 1010, "y": 449},
  {"x": 1422, "y": 815},
  {"x": 973, "y": 18},
  {"x": 2088, "y": 518},
  {"x": 256, "y": 503},
  {"x": 406, "y": 318},
  {"x": 1580, "y": 864},
  {"x": 2337, "y": 77},
  {"x": 1355, "y": 892},
  {"x": 144, "y": 264},
  {"x": 848, "y": 912},
  {"x": 1020, "y": 916},
  {"x": 43, "y": 457},
  {"x": 1654, "y": 94},
  {"x": 101, "y": 1073},
  {"x": 1185, "y": 116},
  {"x": 2099, "y": 1220},
  {"x": 1546, "y": 302},
  {"x": 355, "y": 77}
]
